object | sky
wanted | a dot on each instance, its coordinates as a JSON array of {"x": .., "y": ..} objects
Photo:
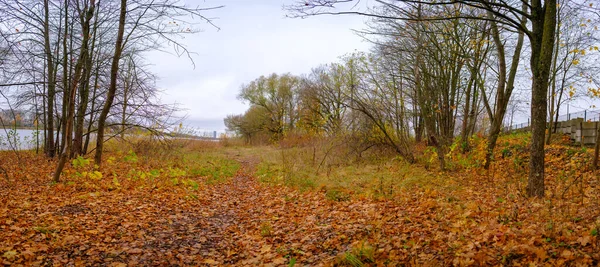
[{"x": 255, "y": 38}]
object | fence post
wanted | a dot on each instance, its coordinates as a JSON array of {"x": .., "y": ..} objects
[
  {"x": 581, "y": 133},
  {"x": 585, "y": 115}
]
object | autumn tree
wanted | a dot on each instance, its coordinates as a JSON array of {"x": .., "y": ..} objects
[
  {"x": 277, "y": 95},
  {"x": 505, "y": 83},
  {"x": 324, "y": 98},
  {"x": 433, "y": 87},
  {"x": 251, "y": 125},
  {"x": 540, "y": 30}
]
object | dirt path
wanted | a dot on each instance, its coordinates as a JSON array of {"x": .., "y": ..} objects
[
  {"x": 139, "y": 220},
  {"x": 238, "y": 222},
  {"x": 254, "y": 224},
  {"x": 242, "y": 222}
]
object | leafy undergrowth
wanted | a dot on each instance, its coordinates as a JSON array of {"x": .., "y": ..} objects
[
  {"x": 139, "y": 210},
  {"x": 466, "y": 215}
]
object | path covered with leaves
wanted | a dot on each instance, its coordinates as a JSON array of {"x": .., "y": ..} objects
[{"x": 245, "y": 223}]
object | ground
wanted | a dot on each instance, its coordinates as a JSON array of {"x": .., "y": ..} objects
[{"x": 157, "y": 215}]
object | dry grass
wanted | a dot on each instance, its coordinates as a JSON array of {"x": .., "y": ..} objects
[{"x": 329, "y": 166}]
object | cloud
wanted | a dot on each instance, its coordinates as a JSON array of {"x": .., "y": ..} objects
[{"x": 255, "y": 39}]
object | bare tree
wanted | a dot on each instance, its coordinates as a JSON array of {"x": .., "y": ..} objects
[
  {"x": 505, "y": 85},
  {"x": 86, "y": 15},
  {"x": 147, "y": 30},
  {"x": 541, "y": 19},
  {"x": 112, "y": 88}
]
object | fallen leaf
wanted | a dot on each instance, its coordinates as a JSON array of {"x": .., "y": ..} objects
[
  {"x": 9, "y": 254},
  {"x": 211, "y": 262}
]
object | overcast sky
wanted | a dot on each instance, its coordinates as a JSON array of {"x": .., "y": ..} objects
[{"x": 255, "y": 38}]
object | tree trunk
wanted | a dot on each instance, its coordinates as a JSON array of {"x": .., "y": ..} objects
[
  {"x": 49, "y": 118},
  {"x": 70, "y": 118},
  {"x": 491, "y": 145},
  {"x": 80, "y": 116},
  {"x": 84, "y": 92},
  {"x": 419, "y": 129},
  {"x": 89, "y": 12},
  {"x": 554, "y": 108},
  {"x": 112, "y": 86},
  {"x": 505, "y": 85},
  {"x": 542, "y": 46},
  {"x": 552, "y": 112},
  {"x": 474, "y": 109},
  {"x": 128, "y": 82},
  {"x": 596, "y": 147},
  {"x": 535, "y": 185},
  {"x": 465, "y": 129},
  {"x": 66, "y": 75}
]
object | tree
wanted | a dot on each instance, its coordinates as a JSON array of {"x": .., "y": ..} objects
[
  {"x": 146, "y": 28},
  {"x": 476, "y": 59},
  {"x": 112, "y": 88},
  {"x": 62, "y": 65},
  {"x": 378, "y": 95},
  {"x": 572, "y": 65},
  {"x": 324, "y": 99},
  {"x": 540, "y": 15},
  {"x": 276, "y": 94},
  {"x": 86, "y": 15},
  {"x": 505, "y": 85},
  {"x": 51, "y": 78},
  {"x": 251, "y": 125}
]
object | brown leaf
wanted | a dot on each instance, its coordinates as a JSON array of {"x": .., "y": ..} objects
[{"x": 211, "y": 262}]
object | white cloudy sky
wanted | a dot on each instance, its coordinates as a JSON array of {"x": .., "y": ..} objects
[{"x": 255, "y": 38}]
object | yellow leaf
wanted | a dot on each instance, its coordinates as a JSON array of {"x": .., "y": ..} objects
[
  {"x": 265, "y": 249},
  {"x": 9, "y": 254},
  {"x": 92, "y": 232}
]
